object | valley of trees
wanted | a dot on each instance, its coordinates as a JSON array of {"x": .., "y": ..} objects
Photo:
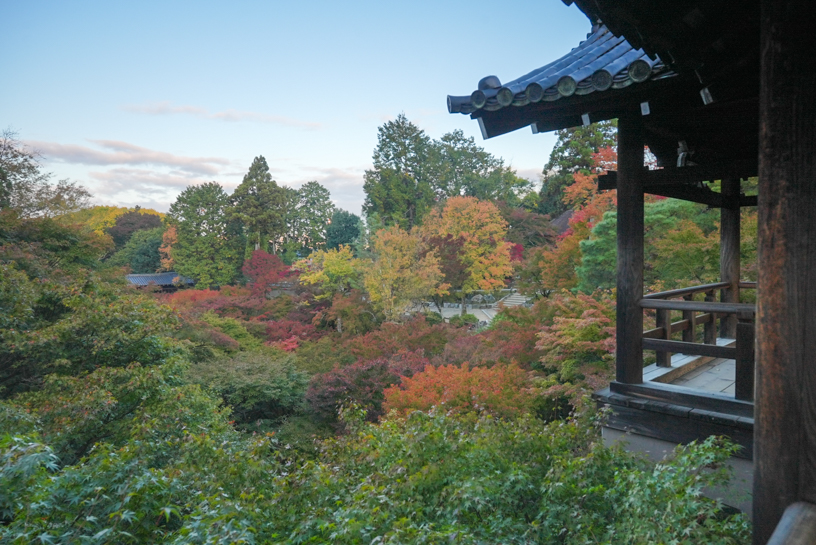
[{"x": 307, "y": 390}]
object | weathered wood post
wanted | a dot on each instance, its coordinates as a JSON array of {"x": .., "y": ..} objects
[
  {"x": 730, "y": 252},
  {"x": 629, "y": 368},
  {"x": 785, "y": 412}
]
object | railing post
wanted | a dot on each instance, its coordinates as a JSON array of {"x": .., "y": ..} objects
[
  {"x": 710, "y": 329},
  {"x": 664, "y": 322},
  {"x": 744, "y": 388},
  {"x": 691, "y": 316}
]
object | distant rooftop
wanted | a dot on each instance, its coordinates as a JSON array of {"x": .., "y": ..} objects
[{"x": 158, "y": 279}]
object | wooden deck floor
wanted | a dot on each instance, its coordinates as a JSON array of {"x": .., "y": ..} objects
[{"x": 717, "y": 375}]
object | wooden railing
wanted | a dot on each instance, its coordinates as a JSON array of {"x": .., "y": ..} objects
[
  {"x": 797, "y": 526},
  {"x": 660, "y": 339}
]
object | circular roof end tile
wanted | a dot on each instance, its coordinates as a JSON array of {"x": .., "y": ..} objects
[
  {"x": 566, "y": 86},
  {"x": 535, "y": 92},
  {"x": 601, "y": 80},
  {"x": 639, "y": 71},
  {"x": 505, "y": 96},
  {"x": 478, "y": 99}
]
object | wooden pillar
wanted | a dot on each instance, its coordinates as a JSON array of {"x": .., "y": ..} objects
[
  {"x": 629, "y": 360},
  {"x": 730, "y": 252},
  {"x": 785, "y": 411}
]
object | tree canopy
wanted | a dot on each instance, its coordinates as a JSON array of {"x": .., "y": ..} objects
[
  {"x": 209, "y": 244},
  {"x": 573, "y": 152},
  {"x": 260, "y": 205}
]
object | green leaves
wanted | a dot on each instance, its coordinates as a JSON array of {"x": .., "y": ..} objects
[{"x": 210, "y": 245}]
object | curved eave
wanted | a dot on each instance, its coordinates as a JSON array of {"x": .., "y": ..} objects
[{"x": 601, "y": 63}]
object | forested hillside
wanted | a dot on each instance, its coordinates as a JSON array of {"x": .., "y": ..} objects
[{"x": 307, "y": 388}]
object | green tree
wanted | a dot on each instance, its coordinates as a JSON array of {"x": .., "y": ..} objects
[
  {"x": 465, "y": 169},
  {"x": 260, "y": 205},
  {"x": 130, "y": 222},
  {"x": 141, "y": 252},
  {"x": 572, "y": 153},
  {"x": 343, "y": 229},
  {"x": 309, "y": 212},
  {"x": 28, "y": 189},
  {"x": 400, "y": 188},
  {"x": 210, "y": 245}
]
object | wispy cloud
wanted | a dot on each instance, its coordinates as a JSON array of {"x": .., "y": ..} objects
[
  {"x": 114, "y": 152},
  {"x": 166, "y": 108}
]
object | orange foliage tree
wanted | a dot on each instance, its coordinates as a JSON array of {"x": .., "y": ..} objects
[
  {"x": 501, "y": 390},
  {"x": 556, "y": 265},
  {"x": 169, "y": 239},
  {"x": 485, "y": 252}
]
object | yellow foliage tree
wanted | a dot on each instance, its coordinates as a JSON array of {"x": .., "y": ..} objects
[
  {"x": 333, "y": 271},
  {"x": 401, "y": 273},
  {"x": 485, "y": 252}
]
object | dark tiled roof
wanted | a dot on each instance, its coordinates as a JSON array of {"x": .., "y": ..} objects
[
  {"x": 159, "y": 279},
  {"x": 603, "y": 61}
]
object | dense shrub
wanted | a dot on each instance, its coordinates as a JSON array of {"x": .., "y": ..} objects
[
  {"x": 261, "y": 388},
  {"x": 234, "y": 329},
  {"x": 579, "y": 344},
  {"x": 281, "y": 331},
  {"x": 502, "y": 390},
  {"x": 75, "y": 327},
  {"x": 362, "y": 383},
  {"x": 323, "y": 355},
  {"x": 466, "y": 320},
  {"x": 412, "y": 335}
]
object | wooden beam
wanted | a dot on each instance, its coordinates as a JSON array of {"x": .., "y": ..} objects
[
  {"x": 701, "y": 195},
  {"x": 700, "y": 306},
  {"x": 730, "y": 252},
  {"x": 669, "y": 393},
  {"x": 682, "y": 292},
  {"x": 696, "y": 349},
  {"x": 678, "y": 187},
  {"x": 629, "y": 326},
  {"x": 785, "y": 447}
]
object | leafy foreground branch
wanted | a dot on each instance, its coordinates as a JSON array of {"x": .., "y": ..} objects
[{"x": 185, "y": 476}]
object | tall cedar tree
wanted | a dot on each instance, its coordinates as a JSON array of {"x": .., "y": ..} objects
[
  {"x": 260, "y": 205},
  {"x": 400, "y": 187},
  {"x": 572, "y": 153},
  {"x": 343, "y": 229},
  {"x": 309, "y": 212},
  {"x": 209, "y": 244},
  {"x": 465, "y": 169},
  {"x": 486, "y": 253}
]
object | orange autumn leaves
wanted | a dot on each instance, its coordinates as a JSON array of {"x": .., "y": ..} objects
[
  {"x": 485, "y": 253},
  {"x": 558, "y": 264},
  {"x": 501, "y": 390}
]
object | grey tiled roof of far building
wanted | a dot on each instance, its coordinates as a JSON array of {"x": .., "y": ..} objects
[
  {"x": 601, "y": 62},
  {"x": 158, "y": 279}
]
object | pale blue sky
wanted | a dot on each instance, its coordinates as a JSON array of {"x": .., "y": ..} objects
[{"x": 138, "y": 100}]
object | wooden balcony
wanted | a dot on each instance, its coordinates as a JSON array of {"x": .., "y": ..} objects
[{"x": 702, "y": 380}]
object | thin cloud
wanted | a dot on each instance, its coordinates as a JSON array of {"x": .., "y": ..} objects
[
  {"x": 115, "y": 152},
  {"x": 166, "y": 108}
]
